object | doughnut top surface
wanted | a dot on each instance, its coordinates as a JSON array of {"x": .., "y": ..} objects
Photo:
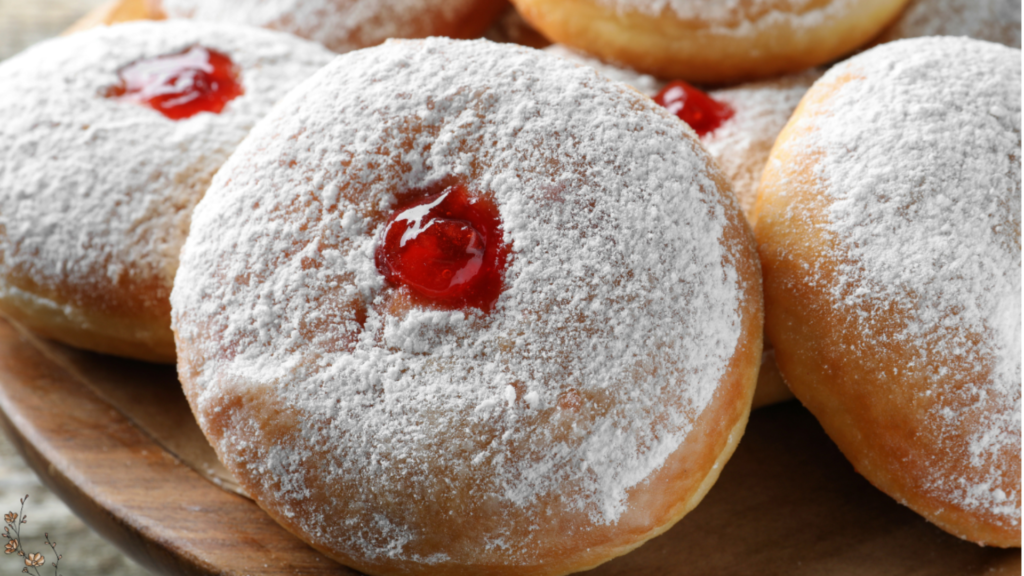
[
  {"x": 740, "y": 15},
  {"x": 341, "y": 25},
  {"x": 741, "y": 144},
  {"x": 96, "y": 192},
  {"x": 619, "y": 314},
  {"x": 919, "y": 158},
  {"x": 991, "y": 20},
  {"x": 643, "y": 83}
]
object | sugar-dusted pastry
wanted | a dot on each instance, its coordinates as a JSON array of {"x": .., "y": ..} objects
[
  {"x": 991, "y": 20},
  {"x": 109, "y": 138},
  {"x": 461, "y": 306},
  {"x": 888, "y": 223},
  {"x": 344, "y": 25}
]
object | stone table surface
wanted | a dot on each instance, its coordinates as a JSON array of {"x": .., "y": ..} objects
[{"x": 23, "y": 23}]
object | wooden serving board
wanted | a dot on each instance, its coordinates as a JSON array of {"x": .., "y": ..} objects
[{"x": 787, "y": 503}]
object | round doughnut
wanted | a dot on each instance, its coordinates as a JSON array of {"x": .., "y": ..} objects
[
  {"x": 712, "y": 41},
  {"x": 581, "y": 407},
  {"x": 344, "y": 25},
  {"x": 991, "y": 20},
  {"x": 97, "y": 186},
  {"x": 888, "y": 224}
]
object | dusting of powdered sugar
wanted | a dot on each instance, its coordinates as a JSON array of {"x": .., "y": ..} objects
[
  {"x": 94, "y": 190},
  {"x": 341, "y": 25},
  {"x": 740, "y": 16},
  {"x": 741, "y": 145},
  {"x": 921, "y": 160},
  {"x": 644, "y": 83},
  {"x": 616, "y": 300},
  {"x": 992, "y": 20}
]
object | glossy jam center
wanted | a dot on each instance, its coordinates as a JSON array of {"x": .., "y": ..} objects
[
  {"x": 703, "y": 113},
  {"x": 181, "y": 85},
  {"x": 446, "y": 248}
]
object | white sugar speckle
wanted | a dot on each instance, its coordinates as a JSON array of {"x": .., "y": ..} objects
[
  {"x": 97, "y": 193},
  {"x": 341, "y": 26}
]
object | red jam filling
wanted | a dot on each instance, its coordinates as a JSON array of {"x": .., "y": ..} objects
[
  {"x": 181, "y": 85},
  {"x": 446, "y": 248},
  {"x": 702, "y": 112}
]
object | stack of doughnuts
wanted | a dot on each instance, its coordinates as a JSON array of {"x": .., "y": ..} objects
[{"x": 458, "y": 306}]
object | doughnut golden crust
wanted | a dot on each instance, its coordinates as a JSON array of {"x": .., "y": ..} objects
[
  {"x": 888, "y": 223},
  {"x": 590, "y": 409},
  {"x": 712, "y": 42},
  {"x": 96, "y": 191},
  {"x": 344, "y": 25},
  {"x": 740, "y": 147}
]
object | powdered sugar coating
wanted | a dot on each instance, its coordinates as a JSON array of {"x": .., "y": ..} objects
[
  {"x": 96, "y": 192},
  {"x": 644, "y": 83},
  {"x": 341, "y": 25},
  {"x": 615, "y": 296},
  {"x": 920, "y": 159},
  {"x": 742, "y": 143},
  {"x": 739, "y": 16},
  {"x": 991, "y": 20}
]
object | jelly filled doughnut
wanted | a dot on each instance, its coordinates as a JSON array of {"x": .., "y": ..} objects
[
  {"x": 888, "y": 224},
  {"x": 109, "y": 139},
  {"x": 464, "y": 307},
  {"x": 344, "y": 25},
  {"x": 992, "y": 20},
  {"x": 712, "y": 41}
]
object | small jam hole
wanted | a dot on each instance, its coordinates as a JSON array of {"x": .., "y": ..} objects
[
  {"x": 180, "y": 85},
  {"x": 702, "y": 112},
  {"x": 446, "y": 248}
]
